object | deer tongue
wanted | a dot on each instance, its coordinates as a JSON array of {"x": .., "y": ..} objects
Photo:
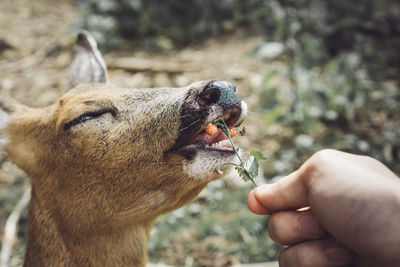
[{"x": 204, "y": 137}]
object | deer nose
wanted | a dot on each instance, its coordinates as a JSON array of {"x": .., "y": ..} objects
[{"x": 223, "y": 94}]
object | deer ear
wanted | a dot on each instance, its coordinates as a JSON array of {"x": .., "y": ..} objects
[
  {"x": 7, "y": 107},
  {"x": 87, "y": 64},
  {"x": 3, "y": 122}
]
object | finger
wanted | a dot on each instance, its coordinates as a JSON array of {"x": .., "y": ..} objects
[
  {"x": 255, "y": 206},
  {"x": 290, "y": 227},
  {"x": 327, "y": 253},
  {"x": 289, "y": 192}
]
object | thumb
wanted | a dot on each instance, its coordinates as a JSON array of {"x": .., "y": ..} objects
[{"x": 290, "y": 192}]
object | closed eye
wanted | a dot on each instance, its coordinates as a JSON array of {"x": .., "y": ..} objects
[{"x": 88, "y": 116}]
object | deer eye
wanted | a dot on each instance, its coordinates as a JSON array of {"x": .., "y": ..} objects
[{"x": 86, "y": 117}]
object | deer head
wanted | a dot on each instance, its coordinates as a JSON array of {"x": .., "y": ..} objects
[{"x": 105, "y": 158}]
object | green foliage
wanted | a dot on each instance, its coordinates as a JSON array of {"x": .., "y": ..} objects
[
  {"x": 340, "y": 88},
  {"x": 227, "y": 228},
  {"x": 258, "y": 155},
  {"x": 182, "y": 22},
  {"x": 247, "y": 168},
  {"x": 317, "y": 30},
  {"x": 336, "y": 105}
]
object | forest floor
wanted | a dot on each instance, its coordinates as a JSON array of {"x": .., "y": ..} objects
[{"x": 217, "y": 229}]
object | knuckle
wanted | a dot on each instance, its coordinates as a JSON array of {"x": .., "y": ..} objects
[
  {"x": 303, "y": 256},
  {"x": 323, "y": 156},
  {"x": 283, "y": 258},
  {"x": 296, "y": 256},
  {"x": 307, "y": 225},
  {"x": 320, "y": 160},
  {"x": 368, "y": 160},
  {"x": 273, "y": 225}
]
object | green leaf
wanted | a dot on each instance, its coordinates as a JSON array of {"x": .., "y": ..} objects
[
  {"x": 242, "y": 131},
  {"x": 254, "y": 168},
  {"x": 258, "y": 155},
  {"x": 246, "y": 176},
  {"x": 243, "y": 175}
]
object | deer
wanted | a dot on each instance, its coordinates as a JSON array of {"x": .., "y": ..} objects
[{"x": 105, "y": 161}]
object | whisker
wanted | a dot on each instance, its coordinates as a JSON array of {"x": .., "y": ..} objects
[
  {"x": 196, "y": 109},
  {"x": 169, "y": 164},
  {"x": 184, "y": 116},
  {"x": 163, "y": 163},
  {"x": 196, "y": 121}
]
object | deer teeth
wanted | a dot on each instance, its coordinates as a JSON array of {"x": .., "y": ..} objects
[{"x": 222, "y": 144}]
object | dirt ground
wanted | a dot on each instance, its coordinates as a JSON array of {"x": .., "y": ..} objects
[{"x": 35, "y": 52}]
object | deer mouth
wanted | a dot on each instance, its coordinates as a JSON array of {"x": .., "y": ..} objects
[
  {"x": 217, "y": 100},
  {"x": 217, "y": 142}
]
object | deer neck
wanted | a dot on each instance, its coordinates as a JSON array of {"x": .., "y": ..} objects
[{"x": 49, "y": 244}]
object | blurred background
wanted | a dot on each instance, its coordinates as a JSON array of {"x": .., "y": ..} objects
[{"x": 315, "y": 74}]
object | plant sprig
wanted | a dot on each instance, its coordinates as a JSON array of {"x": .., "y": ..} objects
[{"x": 248, "y": 168}]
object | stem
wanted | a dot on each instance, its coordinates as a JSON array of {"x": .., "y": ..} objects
[
  {"x": 220, "y": 122},
  {"x": 230, "y": 163},
  {"x": 228, "y": 134},
  {"x": 252, "y": 181}
]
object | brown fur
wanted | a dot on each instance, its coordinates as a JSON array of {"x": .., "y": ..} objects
[{"x": 98, "y": 186}]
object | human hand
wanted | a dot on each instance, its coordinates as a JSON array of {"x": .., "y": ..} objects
[{"x": 354, "y": 213}]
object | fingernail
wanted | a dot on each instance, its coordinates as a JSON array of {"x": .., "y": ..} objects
[{"x": 336, "y": 252}]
